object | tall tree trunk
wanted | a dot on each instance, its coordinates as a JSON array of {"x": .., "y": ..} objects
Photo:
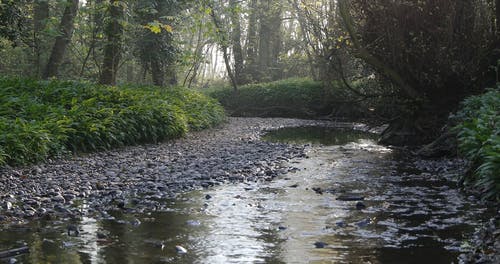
[
  {"x": 252, "y": 43},
  {"x": 113, "y": 47},
  {"x": 236, "y": 41},
  {"x": 497, "y": 14},
  {"x": 157, "y": 72},
  {"x": 269, "y": 39},
  {"x": 97, "y": 20},
  {"x": 264, "y": 39},
  {"x": 66, "y": 27},
  {"x": 224, "y": 47},
  {"x": 308, "y": 45},
  {"x": 276, "y": 37},
  {"x": 171, "y": 75},
  {"x": 40, "y": 17}
]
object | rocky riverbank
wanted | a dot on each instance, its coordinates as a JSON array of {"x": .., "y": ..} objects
[{"x": 138, "y": 178}]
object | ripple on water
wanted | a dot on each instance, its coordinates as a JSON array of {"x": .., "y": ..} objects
[{"x": 413, "y": 214}]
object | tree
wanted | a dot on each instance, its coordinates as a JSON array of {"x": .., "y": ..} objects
[
  {"x": 433, "y": 51},
  {"x": 62, "y": 40},
  {"x": 252, "y": 43},
  {"x": 222, "y": 40},
  {"x": 40, "y": 17},
  {"x": 269, "y": 39},
  {"x": 113, "y": 46},
  {"x": 156, "y": 47},
  {"x": 12, "y": 19},
  {"x": 497, "y": 17},
  {"x": 236, "y": 41}
]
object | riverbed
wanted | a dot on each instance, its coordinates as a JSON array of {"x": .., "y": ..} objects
[{"x": 307, "y": 195}]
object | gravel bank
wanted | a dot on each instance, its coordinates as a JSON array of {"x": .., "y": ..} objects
[{"x": 139, "y": 178}]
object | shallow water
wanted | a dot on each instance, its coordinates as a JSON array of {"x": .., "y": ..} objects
[{"x": 413, "y": 214}]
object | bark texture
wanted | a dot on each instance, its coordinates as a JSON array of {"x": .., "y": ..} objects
[{"x": 62, "y": 41}]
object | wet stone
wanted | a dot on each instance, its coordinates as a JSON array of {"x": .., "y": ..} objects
[
  {"x": 7, "y": 205},
  {"x": 320, "y": 244},
  {"x": 360, "y": 205}
]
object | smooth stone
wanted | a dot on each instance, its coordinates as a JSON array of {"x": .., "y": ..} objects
[
  {"x": 73, "y": 230},
  {"x": 193, "y": 223},
  {"x": 317, "y": 190},
  {"x": 101, "y": 235},
  {"x": 29, "y": 213},
  {"x": 340, "y": 224},
  {"x": 360, "y": 206},
  {"x": 58, "y": 198},
  {"x": 320, "y": 244},
  {"x": 7, "y": 205},
  {"x": 67, "y": 244},
  {"x": 135, "y": 222},
  {"x": 180, "y": 250},
  {"x": 364, "y": 222}
]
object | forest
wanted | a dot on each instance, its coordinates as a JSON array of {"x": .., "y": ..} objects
[{"x": 148, "y": 99}]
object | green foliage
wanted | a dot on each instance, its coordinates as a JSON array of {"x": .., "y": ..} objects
[
  {"x": 294, "y": 98},
  {"x": 48, "y": 119},
  {"x": 479, "y": 141}
]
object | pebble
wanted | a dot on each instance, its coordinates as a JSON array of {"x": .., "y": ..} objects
[
  {"x": 233, "y": 153},
  {"x": 360, "y": 205},
  {"x": 7, "y": 205},
  {"x": 317, "y": 190},
  {"x": 320, "y": 244},
  {"x": 193, "y": 223},
  {"x": 180, "y": 250}
]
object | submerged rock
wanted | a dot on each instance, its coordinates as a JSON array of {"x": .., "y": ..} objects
[
  {"x": 360, "y": 205},
  {"x": 320, "y": 244},
  {"x": 317, "y": 190},
  {"x": 180, "y": 250}
]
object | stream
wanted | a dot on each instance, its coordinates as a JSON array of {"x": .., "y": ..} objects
[{"x": 349, "y": 201}]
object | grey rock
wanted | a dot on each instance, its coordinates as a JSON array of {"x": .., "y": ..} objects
[
  {"x": 320, "y": 244},
  {"x": 360, "y": 205},
  {"x": 58, "y": 198},
  {"x": 7, "y": 205}
]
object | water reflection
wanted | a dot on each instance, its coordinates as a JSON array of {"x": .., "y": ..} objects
[
  {"x": 410, "y": 216},
  {"x": 327, "y": 136}
]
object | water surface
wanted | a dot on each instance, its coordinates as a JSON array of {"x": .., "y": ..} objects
[{"x": 413, "y": 214}]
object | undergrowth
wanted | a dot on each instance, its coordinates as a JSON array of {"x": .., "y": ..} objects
[
  {"x": 293, "y": 98},
  {"x": 43, "y": 119},
  {"x": 479, "y": 141}
]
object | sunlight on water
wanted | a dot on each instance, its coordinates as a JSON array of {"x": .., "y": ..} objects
[{"x": 402, "y": 217}]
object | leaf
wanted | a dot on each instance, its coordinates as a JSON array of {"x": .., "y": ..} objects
[{"x": 168, "y": 28}]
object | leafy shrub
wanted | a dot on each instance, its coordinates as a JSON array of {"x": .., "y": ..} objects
[
  {"x": 479, "y": 141},
  {"x": 295, "y": 98},
  {"x": 42, "y": 119}
]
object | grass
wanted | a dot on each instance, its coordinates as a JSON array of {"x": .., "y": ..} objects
[{"x": 44, "y": 119}]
